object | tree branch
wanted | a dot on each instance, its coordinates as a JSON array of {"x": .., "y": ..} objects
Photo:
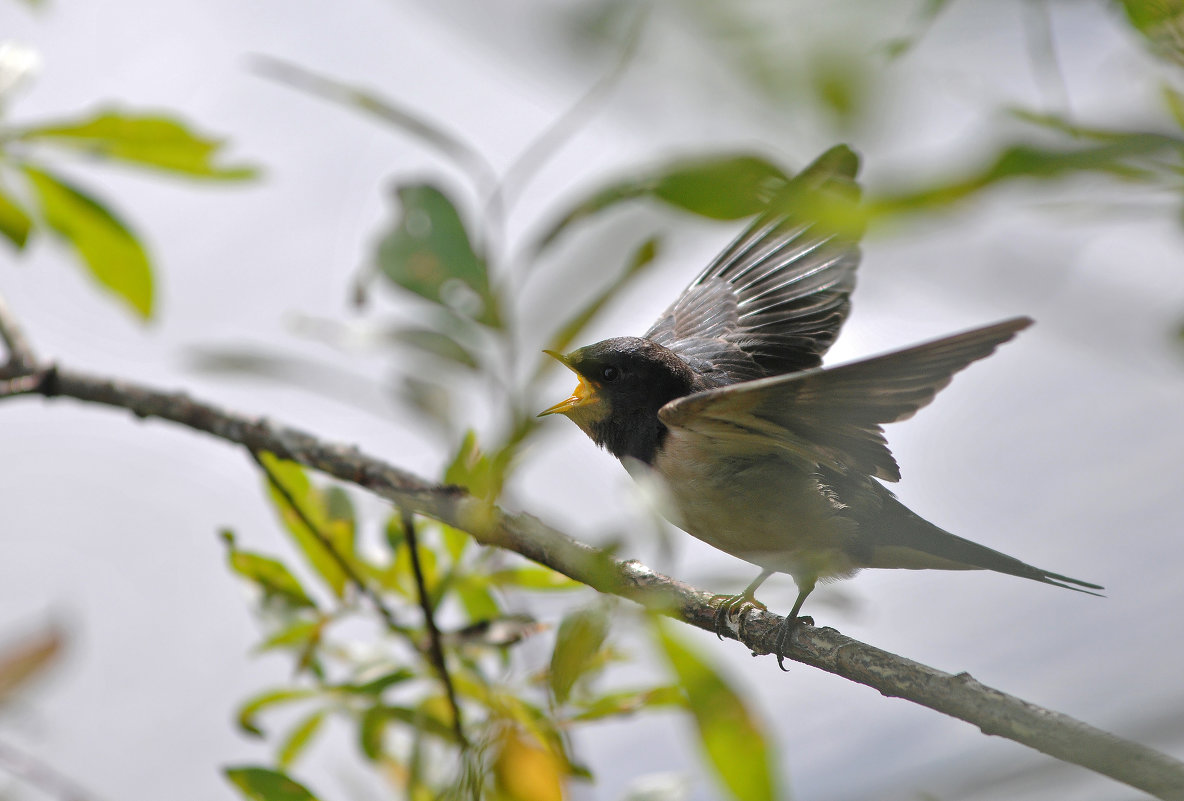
[{"x": 959, "y": 696}]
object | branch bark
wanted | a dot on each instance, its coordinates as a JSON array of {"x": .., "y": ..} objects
[{"x": 959, "y": 696}]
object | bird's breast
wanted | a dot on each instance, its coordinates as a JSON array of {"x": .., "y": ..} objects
[{"x": 761, "y": 507}]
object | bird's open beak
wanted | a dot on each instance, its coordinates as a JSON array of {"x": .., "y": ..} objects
[{"x": 583, "y": 395}]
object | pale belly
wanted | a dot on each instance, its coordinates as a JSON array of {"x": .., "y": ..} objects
[{"x": 766, "y": 510}]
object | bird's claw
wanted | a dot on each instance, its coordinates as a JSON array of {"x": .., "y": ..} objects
[
  {"x": 785, "y": 632},
  {"x": 733, "y": 605}
]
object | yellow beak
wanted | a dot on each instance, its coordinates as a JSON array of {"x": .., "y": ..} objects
[{"x": 583, "y": 395}]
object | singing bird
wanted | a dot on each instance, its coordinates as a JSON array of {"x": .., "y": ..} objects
[{"x": 763, "y": 453}]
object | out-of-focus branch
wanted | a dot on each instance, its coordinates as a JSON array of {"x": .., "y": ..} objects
[
  {"x": 435, "y": 649},
  {"x": 959, "y": 696},
  {"x": 20, "y": 353}
]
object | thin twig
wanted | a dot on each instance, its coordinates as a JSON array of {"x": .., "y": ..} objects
[
  {"x": 44, "y": 777},
  {"x": 435, "y": 650},
  {"x": 347, "y": 568},
  {"x": 959, "y": 695},
  {"x": 20, "y": 352}
]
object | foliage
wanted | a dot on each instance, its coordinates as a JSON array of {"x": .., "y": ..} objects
[{"x": 442, "y": 253}]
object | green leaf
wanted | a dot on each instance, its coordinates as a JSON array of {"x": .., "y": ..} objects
[
  {"x": 428, "y": 252},
  {"x": 110, "y": 250},
  {"x": 580, "y": 637},
  {"x": 475, "y": 597},
  {"x": 248, "y": 712},
  {"x": 312, "y": 504},
  {"x": 721, "y": 188},
  {"x": 372, "y": 728},
  {"x": 629, "y": 702},
  {"x": 264, "y": 784},
  {"x": 375, "y": 687},
  {"x": 271, "y": 575},
  {"x": 299, "y": 738},
  {"x": 15, "y": 223},
  {"x": 731, "y": 736},
  {"x": 436, "y": 343},
  {"x": 151, "y": 140},
  {"x": 717, "y": 187},
  {"x": 532, "y": 577}
]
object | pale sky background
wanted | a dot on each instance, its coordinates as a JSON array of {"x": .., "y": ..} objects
[{"x": 1063, "y": 449}]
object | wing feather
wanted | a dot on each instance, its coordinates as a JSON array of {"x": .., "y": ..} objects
[{"x": 833, "y": 417}]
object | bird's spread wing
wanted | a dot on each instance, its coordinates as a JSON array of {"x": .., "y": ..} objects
[
  {"x": 833, "y": 417},
  {"x": 773, "y": 301}
]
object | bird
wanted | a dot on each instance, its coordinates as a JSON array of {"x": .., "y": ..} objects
[{"x": 763, "y": 453}]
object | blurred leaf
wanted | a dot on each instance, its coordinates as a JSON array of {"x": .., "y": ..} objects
[
  {"x": 470, "y": 468},
  {"x": 533, "y": 577},
  {"x": 340, "y": 533},
  {"x": 926, "y": 15},
  {"x": 299, "y": 633},
  {"x": 146, "y": 139},
  {"x": 526, "y": 772},
  {"x": 717, "y": 187},
  {"x": 455, "y": 541},
  {"x": 375, "y": 687},
  {"x": 372, "y": 728},
  {"x": 495, "y": 632},
  {"x": 580, "y": 637},
  {"x": 642, "y": 257},
  {"x": 15, "y": 223},
  {"x": 271, "y": 575},
  {"x": 436, "y": 343},
  {"x": 111, "y": 252},
  {"x": 429, "y": 398},
  {"x": 264, "y": 784},
  {"x": 28, "y": 658},
  {"x": 731, "y": 736},
  {"x": 1161, "y": 22},
  {"x": 474, "y": 595},
  {"x": 630, "y": 702},
  {"x": 841, "y": 85},
  {"x": 428, "y": 251},
  {"x": 386, "y": 110},
  {"x": 1175, "y": 103},
  {"x": 299, "y": 738},
  {"x": 269, "y": 698}
]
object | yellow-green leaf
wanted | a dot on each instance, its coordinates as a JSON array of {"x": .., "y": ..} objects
[
  {"x": 151, "y": 140},
  {"x": 580, "y": 637},
  {"x": 312, "y": 505},
  {"x": 264, "y": 784},
  {"x": 15, "y": 223},
  {"x": 111, "y": 252},
  {"x": 28, "y": 658},
  {"x": 730, "y": 734},
  {"x": 299, "y": 738}
]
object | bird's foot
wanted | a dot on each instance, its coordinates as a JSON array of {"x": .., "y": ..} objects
[
  {"x": 785, "y": 632},
  {"x": 733, "y": 605}
]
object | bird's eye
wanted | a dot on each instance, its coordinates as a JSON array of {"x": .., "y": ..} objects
[{"x": 611, "y": 373}]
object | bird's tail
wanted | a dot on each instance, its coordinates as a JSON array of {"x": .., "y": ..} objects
[{"x": 904, "y": 539}]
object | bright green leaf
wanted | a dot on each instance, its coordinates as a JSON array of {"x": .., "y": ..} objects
[
  {"x": 532, "y": 577},
  {"x": 376, "y": 686},
  {"x": 271, "y": 575},
  {"x": 111, "y": 252},
  {"x": 15, "y": 223},
  {"x": 264, "y": 784},
  {"x": 731, "y": 736},
  {"x": 428, "y": 251},
  {"x": 580, "y": 637},
  {"x": 312, "y": 505},
  {"x": 721, "y": 188},
  {"x": 150, "y": 140},
  {"x": 475, "y": 597},
  {"x": 299, "y": 738},
  {"x": 248, "y": 712}
]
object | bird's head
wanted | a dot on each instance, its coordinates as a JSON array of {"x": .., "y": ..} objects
[{"x": 623, "y": 382}]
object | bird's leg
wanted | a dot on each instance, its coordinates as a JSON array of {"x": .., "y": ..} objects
[
  {"x": 792, "y": 621},
  {"x": 738, "y": 603}
]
